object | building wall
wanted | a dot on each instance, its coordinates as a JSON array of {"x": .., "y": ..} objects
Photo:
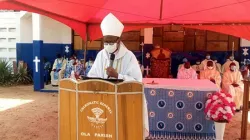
[
  {"x": 54, "y": 35},
  {"x": 9, "y": 34},
  {"x": 244, "y": 51}
]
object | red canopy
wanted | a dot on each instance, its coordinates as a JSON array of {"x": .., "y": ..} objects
[
  {"x": 87, "y": 14},
  {"x": 242, "y": 31}
]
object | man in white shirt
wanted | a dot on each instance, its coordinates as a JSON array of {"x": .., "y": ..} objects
[{"x": 125, "y": 65}]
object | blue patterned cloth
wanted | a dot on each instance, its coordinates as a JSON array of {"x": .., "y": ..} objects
[
  {"x": 178, "y": 114},
  {"x": 80, "y": 69},
  {"x": 69, "y": 68},
  {"x": 88, "y": 67}
]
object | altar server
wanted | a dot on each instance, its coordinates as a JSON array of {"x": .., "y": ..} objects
[
  {"x": 226, "y": 65},
  {"x": 232, "y": 83},
  {"x": 211, "y": 74},
  {"x": 57, "y": 73},
  {"x": 125, "y": 64},
  {"x": 186, "y": 72}
]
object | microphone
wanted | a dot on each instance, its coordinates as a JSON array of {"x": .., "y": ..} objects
[{"x": 111, "y": 61}]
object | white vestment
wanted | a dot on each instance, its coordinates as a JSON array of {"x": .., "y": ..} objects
[
  {"x": 226, "y": 65},
  {"x": 61, "y": 72},
  {"x": 127, "y": 67},
  {"x": 214, "y": 74},
  {"x": 204, "y": 63},
  {"x": 184, "y": 73},
  {"x": 218, "y": 67},
  {"x": 230, "y": 78}
]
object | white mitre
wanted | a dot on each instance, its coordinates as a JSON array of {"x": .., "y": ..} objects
[{"x": 111, "y": 26}]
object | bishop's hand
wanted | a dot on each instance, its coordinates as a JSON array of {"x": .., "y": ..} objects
[{"x": 111, "y": 72}]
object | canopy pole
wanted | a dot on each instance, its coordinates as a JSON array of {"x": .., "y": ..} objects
[
  {"x": 161, "y": 7},
  {"x": 86, "y": 46},
  {"x": 245, "y": 109}
]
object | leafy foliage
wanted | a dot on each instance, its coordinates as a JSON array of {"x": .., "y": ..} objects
[
  {"x": 7, "y": 78},
  {"x": 22, "y": 76}
]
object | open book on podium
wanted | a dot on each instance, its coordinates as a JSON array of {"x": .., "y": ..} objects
[{"x": 100, "y": 110}]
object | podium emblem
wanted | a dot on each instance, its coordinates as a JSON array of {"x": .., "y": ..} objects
[
  {"x": 97, "y": 120},
  {"x": 97, "y": 110}
]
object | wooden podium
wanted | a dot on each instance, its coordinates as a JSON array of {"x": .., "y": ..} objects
[{"x": 100, "y": 110}]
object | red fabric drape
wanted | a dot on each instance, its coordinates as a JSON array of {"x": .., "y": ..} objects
[
  {"x": 242, "y": 31},
  {"x": 79, "y": 13}
]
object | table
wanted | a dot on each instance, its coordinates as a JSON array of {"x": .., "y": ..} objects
[{"x": 176, "y": 108}]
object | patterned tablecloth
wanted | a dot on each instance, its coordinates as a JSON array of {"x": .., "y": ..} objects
[{"x": 176, "y": 109}]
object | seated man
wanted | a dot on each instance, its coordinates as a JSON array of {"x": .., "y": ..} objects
[
  {"x": 186, "y": 72},
  {"x": 88, "y": 65},
  {"x": 125, "y": 64},
  {"x": 204, "y": 62},
  {"x": 56, "y": 73},
  {"x": 184, "y": 60},
  {"x": 69, "y": 67},
  {"x": 226, "y": 65},
  {"x": 218, "y": 65},
  {"x": 47, "y": 67},
  {"x": 232, "y": 83},
  {"x": 79, "y": 69},
  {"x": 198, "y": 67},
  {"x": 211, "y": 74}
]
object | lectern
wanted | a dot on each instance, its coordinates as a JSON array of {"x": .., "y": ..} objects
[{"x": 100, "y": 110}]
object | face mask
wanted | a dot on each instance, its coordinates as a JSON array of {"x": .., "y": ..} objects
[
  {"x": 233, "y": 68},
  {"x": 110, "y": 48},
  {"x": 210, "y": 68},
  {"x": 231, "y": 58},
  {"x": 208, "y": 57}
]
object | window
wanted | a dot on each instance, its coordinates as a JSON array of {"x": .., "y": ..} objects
[
  {"x": 3, "y": 29},
  {"x": 2, "y": 39},
  {"x": 12, "y": 39},
  {"x": 12, "y": 49},
  {"x": 3, "y": 50},
  {"x": 12, "y": 29}
]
